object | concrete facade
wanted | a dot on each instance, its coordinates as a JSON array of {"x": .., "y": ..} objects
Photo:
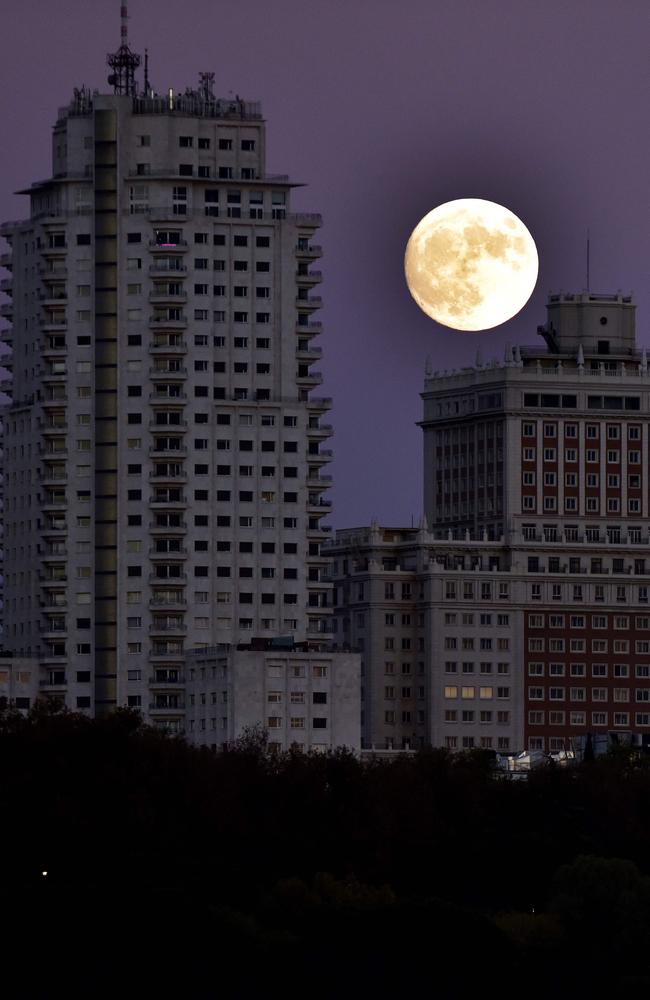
[
  {"x": 301, "y": 698},
  {"x": 163, "y": 456}
]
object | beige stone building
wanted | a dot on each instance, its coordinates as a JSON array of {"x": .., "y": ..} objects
[{"x": 520, "y": 619}]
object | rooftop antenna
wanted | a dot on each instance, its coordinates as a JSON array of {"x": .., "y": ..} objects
[
  {"x": 123, "y": 62},
  {"x": 206, "y": 86},
  {"x": 146, "y": 72},
  {"x": 587, "y": 260}
]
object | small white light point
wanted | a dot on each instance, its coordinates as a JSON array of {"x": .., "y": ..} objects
[{"x": 471, "y": 264}]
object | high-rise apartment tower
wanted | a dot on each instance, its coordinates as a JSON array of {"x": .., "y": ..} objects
[{"x": 163, "y": 460}]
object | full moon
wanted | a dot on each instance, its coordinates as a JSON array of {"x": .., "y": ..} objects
[{"x": 471, "y": 264}]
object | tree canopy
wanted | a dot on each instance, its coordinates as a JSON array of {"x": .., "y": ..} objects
[{"x": 245, "y": 871}]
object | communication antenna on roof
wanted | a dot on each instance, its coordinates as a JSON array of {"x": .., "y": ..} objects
[
  {"x": 206, "y": 86},
  {"x": 123, "y": 62},
  {"x": 146, "y": 73},
  {"x": 587, "y": 260}
]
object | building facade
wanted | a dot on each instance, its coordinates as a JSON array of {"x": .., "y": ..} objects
[
  {"x": 536, "y": 470},
  {"x": 163, "y": 450},
  {"x": 434, "y": 623},
  {"x": 301, "y": 698}
]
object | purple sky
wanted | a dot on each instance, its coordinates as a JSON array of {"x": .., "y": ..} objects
[{"x": 387, "y": 108}]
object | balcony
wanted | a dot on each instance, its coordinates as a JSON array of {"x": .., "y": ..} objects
[
  {"x": 53, "y": 270},
  {"x": 170, "y": 428},
  {"x": 307, "y": 353},
  {"x": 55, "y": 627},
  {"x": 164, "y": 477},
  {"x": 169, "y": 554},
  {"x": 54, "y": 251},
  {"x": 54, "y": 350},
  {"x": 163, "y": 268},
  {"x": 173, "y": 348},
  {"x": 158, "y": 707},
  {"x": 54, "y": 296},
  {"x": 167, "y": 322},
  {"x": 309, "y": 379},
  {"x": 6, "y": 260},
  {"x": 309, "y": 302},
  {"x": 169, "y": 581},
  {"x": 158, "y": 504},
  {"x": 7, "y": 310},
  {"x": 162, "y": 397},
  {"x": 6, "y": 285},
  {"x": 56, "y": 372},
  {"x": 60, "y": 604},
  {"x": 52, "y": 579},
  {"x": 322, "y": 431},
  {"x": 159, "y": 602},
  {"x": 309, "y": 252},
  {"x": 309, "y": 279},
  {"x": 53, "y": 428},
  {"x": 163, "y": 298},
  {"x": 54, "y": 551},
  {"x": 56, "y": 527},
  {"x": 319, "y": 505},
  {"x": 170, "y": 453},
  {"x": 320, "y": 457},
  {"x": 154, "y": 527},
  {"x": 179, "y": 246},
  {"x": 167, "y": 627},
  {"x": 47, "y": 476},
  {"x": 55, "y": 401},
  {"x": 53, "y": 324},
  {"x": 309, "y": 329},
  {"x": 163, "y": 678},
  {"x": 319, "y": 482},
  {"x": 319, "y": 403},
  {"x": 54, "y": 503},
  {"x": 167, "y": 373},
  {"x": 321, "y": 532},
  {"x": 53, "y": 453}
]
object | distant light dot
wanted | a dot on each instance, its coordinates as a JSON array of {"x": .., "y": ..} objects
[{"x": 43, "y": 873}]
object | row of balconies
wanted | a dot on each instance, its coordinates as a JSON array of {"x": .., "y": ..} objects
[{"x": 58, "y": 679}]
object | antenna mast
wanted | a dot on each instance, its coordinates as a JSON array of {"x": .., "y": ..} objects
[
  {"x": 123, "y": 62},
  {"x": 587, "y": 260}
]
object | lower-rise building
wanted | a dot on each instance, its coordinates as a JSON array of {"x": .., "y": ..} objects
[
  {"x": 296, "y": 696},
  {"x": 19, "y": 681},
  {"x": 436, "y": 624},
  {"x": 521, "y": 620}
]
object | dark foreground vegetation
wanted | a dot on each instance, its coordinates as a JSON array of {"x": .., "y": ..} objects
[{"x": 174, "y": 872}]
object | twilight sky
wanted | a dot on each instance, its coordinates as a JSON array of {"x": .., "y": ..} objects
[{"x": 386, "y": 108}]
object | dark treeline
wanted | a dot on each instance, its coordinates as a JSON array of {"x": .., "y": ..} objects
[{"x": 173, "y": 871}]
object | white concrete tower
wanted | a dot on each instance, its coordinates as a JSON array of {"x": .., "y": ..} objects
[{"x": 163, "y": 460}]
